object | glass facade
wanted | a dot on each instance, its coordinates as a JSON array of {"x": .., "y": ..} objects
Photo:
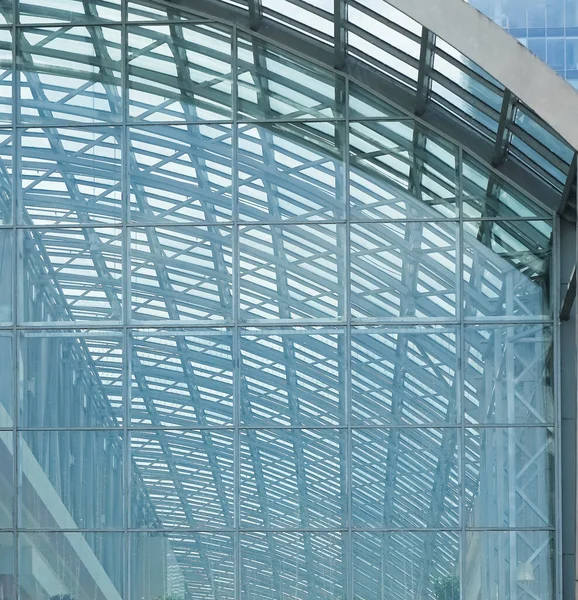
[
  {"x": 548, "y": 28},
  {"x": 263, "y": 334}
]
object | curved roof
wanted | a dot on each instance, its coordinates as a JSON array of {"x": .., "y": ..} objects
[
  {"x": 200, "y": 293},
  {"x": 474, "y": 82}
]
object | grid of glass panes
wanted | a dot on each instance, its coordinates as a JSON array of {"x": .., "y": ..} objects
[{"x": 258, "y": 341}]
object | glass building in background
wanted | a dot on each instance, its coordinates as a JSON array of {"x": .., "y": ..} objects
[
  {"x": 549, "y": 28},
  {"x": 274, "y": 324}
]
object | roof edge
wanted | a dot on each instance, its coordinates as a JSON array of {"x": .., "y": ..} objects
[{"x": 503, "y": 57}]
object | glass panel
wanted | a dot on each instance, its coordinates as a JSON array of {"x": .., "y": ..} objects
[
  {"x": 181, "y": 174},
  {"x": 181, "y": 274},
  {"x": 308, "y": 16},
  {"x": 292, "y": 565},
  {"x": 510, "y": 565},
  {"x": 485, "y": 195},
  {"x": 386, "y": 39},
  {"x": 70, "y": 176},
  {"x": 6, "y": 275},
  {"x": 401, "y": 170},
  {"x": 6, "y": 496},
  {"x": 179, "y": 73},
  {"x": 182, "y": 479},
  {"x": 292, "y": 272},
  {"x": 404, "y": 270},
  {"x": 7, "y": 581},
  {"x": 6, "y": 70},
  {"x": 71, "y": 275},
  {"x": 291, "y": 171},
  {"x": 275, "y": 84},
  {"x": 406, "y": 565},
  {"x": 182, "y": 378},
  {"x": 510, "y": 477},
  {"x": 364, "y": 103},
  {"x": 404, "y": 376},
  {"x": 185, "y": 567},
  {"x": 7, "y": 367},
  {"x": 70, "y": 379},
  {"x": 75, "y": 565},
  {"x": 507, "y": 268},
  {"x": 71, "y": 479},
  {"x": 151, "y": 10},
  {"x": 6, "y": 174},
  {"x": 81, "y": 84},
  {"x": 293, "y": 377},
  {"x": 68, "y": 11},
  {"x": 509, "y": 374},
  {"x": 6, "y": 11},
  {"x": 405, "y": 478},
  {"x": 292, "y": 478}
]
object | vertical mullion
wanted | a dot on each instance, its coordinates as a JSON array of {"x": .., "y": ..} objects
[
  {"x": 555, "y": 293},
  {"x": 462, "y": 364},
  {"x": 236, "y": 332},
  {"x": 15, "y": 187},
  {"x": 126, "y": 293},
  {"x": 349, "y": 592}
]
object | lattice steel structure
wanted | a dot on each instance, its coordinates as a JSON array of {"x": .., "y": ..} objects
[{"x": 273, "y": 326}]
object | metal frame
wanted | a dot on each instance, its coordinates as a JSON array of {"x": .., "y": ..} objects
[{"x": 169, "y": 248}]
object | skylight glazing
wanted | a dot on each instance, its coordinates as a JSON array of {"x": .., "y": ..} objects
[{"x": 264, "y": 333}]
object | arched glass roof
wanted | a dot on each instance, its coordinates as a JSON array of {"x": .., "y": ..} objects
[{"x": 282, "y": 282}]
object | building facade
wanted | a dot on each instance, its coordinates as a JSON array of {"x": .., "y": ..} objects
[
  {"x": 549, "y": 28},
  {"x": 280, "y": 304}
]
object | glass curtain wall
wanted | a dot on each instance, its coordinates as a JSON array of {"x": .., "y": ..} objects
[{"x": 262, "y": 334}]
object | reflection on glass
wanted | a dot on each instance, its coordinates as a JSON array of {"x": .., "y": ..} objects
[
  {"x": 406, "y": 565},
  {"x": 364, "y": 103},
  {"x": 400, "y": 170},
  {"x": 404, "y": 376},
  {"x": 81, "y": 85},
  {"x": 182, "y": 479},
  {"x": 275, "y": 84},
  {"x": 181, "y": 566},
  {"x": 292, "y": 377},
  {"x": 6, "y": 275},
  {"x": 181, "y": 174},
  {"x": 71, "y": 479},
  {"x": 291, "y": 272},
  {"x": 68, "y": 11},
  {"x": 79, "y": 566},
  {"x": 6, "y": 71},
  {"x": 292, "y": 565},
  {"x": 510, "y": 565},
  {"x": 291, "y": 171},
  {"x": 403, "y": 270},
  {"x": 507, "y": 268},
  {"x": 70, "y": 176},
  {"x": 292, "y": 478},
  {"x": 70, "y": 274},
  {"x": 181, "y": 274},
  {"x": 405, "y": 478},
  {"x": 150, "y": 10},
  {"x": 182, "y": 378},
  {"x": 485, "y": 195},
  {"x": 71, "y": 379},
  {"x": 6, "y": 11},
  {"x": 509, "y": 477},
  {"x": 509, "y": 374},
  {"x": 6, "y": 379},
  {"x": 179, "y": 73},
  {"x": 6, "y": 168},
  {"x": 6, "y": 493}
]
